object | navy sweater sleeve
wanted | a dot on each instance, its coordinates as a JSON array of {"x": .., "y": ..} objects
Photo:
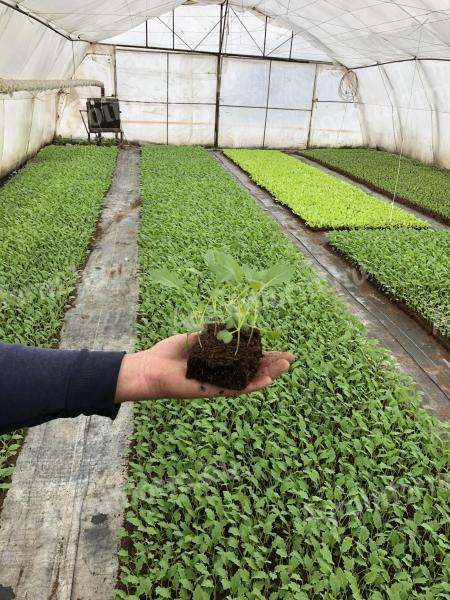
[{"x": 38, "y": 385}]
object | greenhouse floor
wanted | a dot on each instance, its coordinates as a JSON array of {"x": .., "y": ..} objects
[
  {"x": 60, "y": 516},
  {"x": 416, "y": 352},
  {"x": 65, "y": 504}
]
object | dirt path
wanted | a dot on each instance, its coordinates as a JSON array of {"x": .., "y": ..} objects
[
  {"x": 416, "y": 352},
  {"x": 57, "y": 527}
]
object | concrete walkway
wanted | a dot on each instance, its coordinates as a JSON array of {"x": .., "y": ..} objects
[{"x": 57, "y": 527}]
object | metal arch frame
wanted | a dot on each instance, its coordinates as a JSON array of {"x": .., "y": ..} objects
[
  {"x": 34, "y": 17},
  {"x": 220, "y": 54},
  {"x": 223, "y": 24},
  {"x": 222, "y": 40}
]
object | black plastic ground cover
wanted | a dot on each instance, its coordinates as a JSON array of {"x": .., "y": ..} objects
[
  {"x": 353, "y": 178},
  {"x": 417, "y": 353}
]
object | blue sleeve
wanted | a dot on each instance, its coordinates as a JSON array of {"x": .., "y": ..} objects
[{"x": 38, "y": 385}]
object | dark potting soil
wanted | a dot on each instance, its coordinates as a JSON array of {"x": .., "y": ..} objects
[{"x": 221, "y": 364}]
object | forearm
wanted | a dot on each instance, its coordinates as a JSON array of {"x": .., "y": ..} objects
[
  {"x": 138, "y": 378},
  {"x": 38, "y": 385}
]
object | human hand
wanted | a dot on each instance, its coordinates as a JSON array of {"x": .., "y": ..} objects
[{"x": 160, "y": 372}]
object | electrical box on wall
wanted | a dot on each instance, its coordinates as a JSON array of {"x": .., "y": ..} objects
[{"x": 103, "y": 115}]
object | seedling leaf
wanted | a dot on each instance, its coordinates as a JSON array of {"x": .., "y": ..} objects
[
  {"x": 165, "y": 278},
  {"x": 225, "y": 336}
]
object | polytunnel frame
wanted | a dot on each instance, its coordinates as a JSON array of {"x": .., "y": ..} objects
[
  {"x": 43, "y": 22},
  {"x": 221, "y": 54},
  {"x": 267, "y": 20}
]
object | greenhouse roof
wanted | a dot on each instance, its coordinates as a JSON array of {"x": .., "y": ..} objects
[{"x": 351, "y": 32}]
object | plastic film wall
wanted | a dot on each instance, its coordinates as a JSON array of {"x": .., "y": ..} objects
[
  {"x": 405, "y": 107},
  {"x": 98, "y": 63},
  {"x": 28, "y": 121},
  {"x": 171, "y": 98}
]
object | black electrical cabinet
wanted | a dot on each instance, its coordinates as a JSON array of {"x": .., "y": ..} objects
[{"x": 103, "y": 115}]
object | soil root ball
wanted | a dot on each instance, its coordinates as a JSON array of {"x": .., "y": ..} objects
[{"x": 225, "y": 365}]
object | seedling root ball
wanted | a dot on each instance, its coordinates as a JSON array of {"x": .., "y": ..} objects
[{"x": 230, "y": 366}]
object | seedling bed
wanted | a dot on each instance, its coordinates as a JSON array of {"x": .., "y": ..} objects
[
  {"x": 419, "y": 354},
  {"x": 320, "y": 200},
  {"x": 48, "y": 214},
  {"x": 383, "y": 259},
  {"x": 314, "y": 155},
  {"x": 227, "y": 497}
]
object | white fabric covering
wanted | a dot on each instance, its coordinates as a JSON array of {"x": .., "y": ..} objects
[
  {"x": 352, "y": 32},
  {"x": 401, "y": 105},
  {"x": 30, "y": 51}
]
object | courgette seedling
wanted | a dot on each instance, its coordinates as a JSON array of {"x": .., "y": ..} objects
[{"x": 229, "y": 345}]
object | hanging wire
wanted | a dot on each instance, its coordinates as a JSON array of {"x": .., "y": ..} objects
[
  {"x": 397, "y": 179},
  {"x": 348, "y": 92},
  {"x": 73, "y": 59}
]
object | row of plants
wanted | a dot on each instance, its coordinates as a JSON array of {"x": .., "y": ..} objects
[
  {"x": 410, "y": 266},
  {"x": 331, "y": 484},
  {"x": 321, "y": 200},
  {"x": 422, "y": 186},
  {"x": 48, "y": 214}
]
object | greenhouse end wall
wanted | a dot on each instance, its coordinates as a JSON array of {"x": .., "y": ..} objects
[{"x": 169, "y": 97}]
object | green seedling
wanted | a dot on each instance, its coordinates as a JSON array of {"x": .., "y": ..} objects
[
  {"x": 330, "y": 485},
  {"x": 48, "y": 214},
  {"x": 418, "y": 184},
  {"x": 319, "y": 199},
  {"x": 235, "y": 295},
  {"x": 411, "y": 267}
]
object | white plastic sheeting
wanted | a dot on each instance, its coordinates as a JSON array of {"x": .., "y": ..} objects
[
  {"x": 334, "y": 123},
  {"x": 94, "y": 21},
  {"x": 197, "y": 28},
  {"x": 98, "y": 64},
  {"x": 30, "y": 51},
  {"x": 265, "y": 103},
  {"x": 405, "y": 107},
  {"x": 399, "y": 106},
  {"x": 352, "y": 32},
  {"x": 357, "y": 33},
  {"x": 171, "y": 98}
]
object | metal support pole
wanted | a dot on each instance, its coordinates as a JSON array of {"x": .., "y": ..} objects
[
  {"x": 116, "y": 93},
  {"x": 267, "y": 104},
  {"x": 313, "y": 103},
  {"x": 167, "y": 104},
  {"x": 223, "y": 21},
  {"x": 265, "y": 38},
  {"x": 173, "y": 30}
]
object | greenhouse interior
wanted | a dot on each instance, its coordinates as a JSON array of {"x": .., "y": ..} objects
[{"x": 225, "y": 300}]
